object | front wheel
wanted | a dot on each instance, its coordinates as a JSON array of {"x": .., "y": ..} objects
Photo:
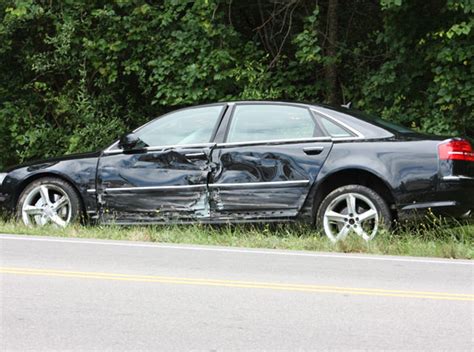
[
  {"x": 48, "y": 201},
  {"x": 353, "y": 209}
]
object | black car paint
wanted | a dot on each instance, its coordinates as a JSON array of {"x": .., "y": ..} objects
[
  {"x": 246, "y": 182},
  {"x": 119, "y": 175},
  {"x": 78, "y": 169},
  {"x": 407, "y": 165}
]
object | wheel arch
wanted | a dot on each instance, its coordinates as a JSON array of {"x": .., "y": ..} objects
[
  {"x": 352, "y": 175},
  {"x": 33, "y": 177}
]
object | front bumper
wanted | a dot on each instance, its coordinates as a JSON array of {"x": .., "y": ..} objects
[
  {"x": 4, "y": 209},
  {"x": 5, "y": 202}
]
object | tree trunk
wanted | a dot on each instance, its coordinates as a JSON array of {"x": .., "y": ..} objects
[{"x": 331, "y": 52}]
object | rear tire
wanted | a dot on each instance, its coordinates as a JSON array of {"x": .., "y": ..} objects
[
  {"x": 48, "y": 200},
  {"x": 353, "y": 209}
]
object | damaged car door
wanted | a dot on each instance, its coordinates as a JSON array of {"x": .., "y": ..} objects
[
  {"x": 162, "y": 175},
  {"x": 267, "y": 162}
]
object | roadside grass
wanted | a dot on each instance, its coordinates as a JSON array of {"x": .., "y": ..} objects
[{"x": 438, "y": 238}]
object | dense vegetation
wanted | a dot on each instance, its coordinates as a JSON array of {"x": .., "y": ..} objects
[{"x": 76, "y": 74}]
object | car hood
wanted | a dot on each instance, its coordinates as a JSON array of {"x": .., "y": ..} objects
[{"x": 54, "y": 160}]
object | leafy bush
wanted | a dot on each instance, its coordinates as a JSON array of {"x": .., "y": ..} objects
[{"x": 76, "y": 74}]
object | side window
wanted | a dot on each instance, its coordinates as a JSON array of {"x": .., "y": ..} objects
[
  {"x": 190, "y": 126},
  {"x": 271, "y": 122},
  {"x": 333, "y": 129}
]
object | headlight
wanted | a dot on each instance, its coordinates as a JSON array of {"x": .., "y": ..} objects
[{"x": 2, "y": 177}]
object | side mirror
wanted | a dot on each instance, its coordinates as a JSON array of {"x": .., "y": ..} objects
[{"x": 130, "y": 141}]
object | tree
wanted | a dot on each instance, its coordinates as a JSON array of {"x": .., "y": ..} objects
[
  {"x": 76, "y": 74},
  {"x": 331, "y": 53}
]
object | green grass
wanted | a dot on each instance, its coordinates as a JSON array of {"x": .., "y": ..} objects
[{"x": 439, "y": 239}]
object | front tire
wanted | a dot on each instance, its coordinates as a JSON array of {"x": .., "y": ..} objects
[
  {"x": 48, "y": 200},
  {"x": 353, "y": 209}
]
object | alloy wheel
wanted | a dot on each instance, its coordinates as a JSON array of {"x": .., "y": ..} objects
[
  {"x": 46, "y": 204},
  {"x": 351, "y": 213}
]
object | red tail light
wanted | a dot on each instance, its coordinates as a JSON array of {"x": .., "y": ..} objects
[{"x": 456, "y": 149}]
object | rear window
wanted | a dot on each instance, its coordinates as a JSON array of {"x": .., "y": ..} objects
[
  {"x": 390, "y": 126},
  {"x": 357, "y": 119}
]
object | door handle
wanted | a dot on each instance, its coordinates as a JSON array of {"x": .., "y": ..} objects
[
  {"x": 196, "y": 155},
  {"x": 313, "y": 150}
]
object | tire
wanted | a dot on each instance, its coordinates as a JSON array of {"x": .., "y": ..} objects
[
  {"x": 48, "y": 200},
  {"x": 353, "y": 209}
]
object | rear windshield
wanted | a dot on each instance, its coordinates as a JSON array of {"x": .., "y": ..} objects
[{"x": 390, "y": 126}]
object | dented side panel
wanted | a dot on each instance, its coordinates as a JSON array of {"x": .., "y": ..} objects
[
  {"x": 263, "y": 181},
  {"x": 167, "y": 185}
]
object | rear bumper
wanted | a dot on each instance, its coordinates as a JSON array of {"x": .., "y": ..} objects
[{"x": 454, "y": 197}]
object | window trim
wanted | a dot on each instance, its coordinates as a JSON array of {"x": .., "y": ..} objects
[
  {"x": 270, "y": 141},
  {"x": 163, "y": 148},
  {"x": 275, "y": 142}
]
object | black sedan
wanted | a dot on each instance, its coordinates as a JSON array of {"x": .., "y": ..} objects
[{"x": 252, "y": 162}]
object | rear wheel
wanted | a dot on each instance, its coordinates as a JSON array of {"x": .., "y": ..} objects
[
  {"x": 353, "y": 209},
  {"x": 48, "y": 201}
]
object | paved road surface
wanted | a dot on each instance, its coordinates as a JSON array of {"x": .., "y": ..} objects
[{"x": 109, "y": 295}]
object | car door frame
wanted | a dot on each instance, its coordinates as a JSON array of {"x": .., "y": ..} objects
[
  {"x": 103, "y": 192},
  {"x": 221, "y": 141}
]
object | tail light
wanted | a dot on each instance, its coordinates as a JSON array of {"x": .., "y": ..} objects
[{"x": 456, "y": 149}]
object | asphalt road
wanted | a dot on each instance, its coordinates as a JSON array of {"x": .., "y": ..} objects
[{"x": 61, "y": 294}]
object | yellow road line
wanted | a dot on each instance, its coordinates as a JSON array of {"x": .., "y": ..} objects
[
  {"x": 192, "y": 280},
  {"x": 239, "y": 284}
]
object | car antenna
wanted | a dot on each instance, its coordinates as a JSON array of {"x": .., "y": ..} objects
[{"x": 348, "y": 105}]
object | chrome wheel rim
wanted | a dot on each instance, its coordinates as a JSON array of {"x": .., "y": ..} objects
[
  {"x": 46, "y": 204},
  {"x": 351, "y": 213}
]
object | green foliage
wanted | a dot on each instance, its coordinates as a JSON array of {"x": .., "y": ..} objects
[
  {"x": 426, "y": 79},
  {"x": 386, "y": 4},
  {"x": 76, "y": 74},
  {"x": 308, "y": 48}
]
